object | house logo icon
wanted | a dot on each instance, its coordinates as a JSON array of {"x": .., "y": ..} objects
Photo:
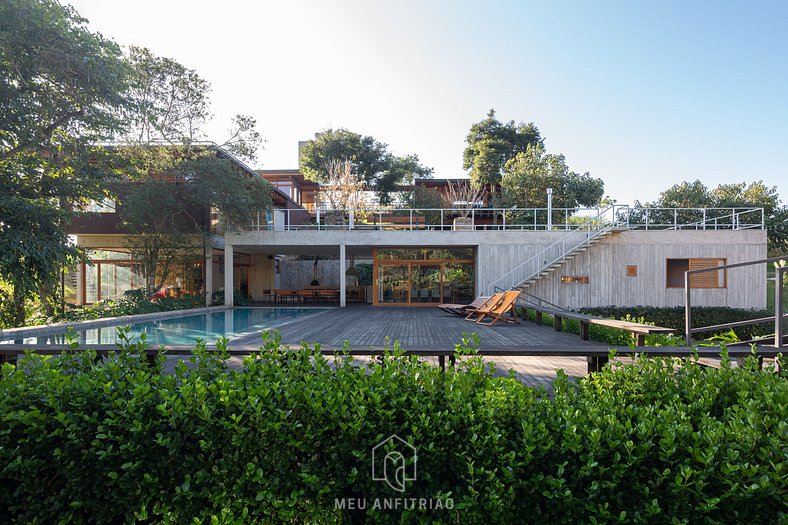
[{"x": 394, "y": 461}]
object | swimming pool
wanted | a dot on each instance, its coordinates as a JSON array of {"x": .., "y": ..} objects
[{"x": 186, "y": 329}]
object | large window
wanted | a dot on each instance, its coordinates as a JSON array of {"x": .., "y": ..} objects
[
  {"x": 111, "y": 273},
  {"x": 423, "y": 276},
  {"x": 675, "y": 269}
]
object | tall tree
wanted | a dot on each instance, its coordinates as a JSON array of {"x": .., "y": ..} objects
[
  {"x": 166, "y": 140},
  {"x": 491, "y": 144},
  {"x": 530, "y": 173},
  {"x": 378, "y": 169},
  {"x": 61, "y": 91}
]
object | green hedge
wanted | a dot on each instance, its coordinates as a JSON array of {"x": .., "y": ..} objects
[
  {"x": 285, "y": 436},
  {"x": 133, "y": 302},
  {"x": 701, "y": 316}
]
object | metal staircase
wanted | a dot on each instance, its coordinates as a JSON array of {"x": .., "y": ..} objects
[
  {"x": 568, "y": 246},
  {"x": 568, "y": 256}
]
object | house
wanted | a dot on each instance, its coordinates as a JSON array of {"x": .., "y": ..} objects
[
  {"x": 111, "y": 270},
  {"x": 571, "y": 258}
]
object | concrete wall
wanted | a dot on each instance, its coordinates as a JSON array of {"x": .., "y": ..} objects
[
  {"x": 261, "y": 276},
  {"x": 298, "y": 273},
  {"x": 497, "y": 252},
  {"x": 605, "y": 264}
]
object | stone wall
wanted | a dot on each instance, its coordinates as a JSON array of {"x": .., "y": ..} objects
[{"x": 297, "y": 274}]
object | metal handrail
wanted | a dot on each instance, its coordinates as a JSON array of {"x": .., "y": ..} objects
[
  {"x": 540, "y": 303},
  {"x": 778, "y": 317},
  {"x": 706, "y": 222},
  {"x": 563, "y": 253},
  {"x": 507, "y": 219}
]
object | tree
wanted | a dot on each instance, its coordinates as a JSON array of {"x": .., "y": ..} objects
[
  {"x": 686, "y": 195},
  {"x": 738, "y": 195},
  {"x": 491, "y": 144},
  {"x": 463, "y": 195},
  {"x": 62, "y": 89},
  {"x": 170, "y": 221},
  {"x": 380, "y": 170},
  {"x": 343, "y": 190},
  {"x": 529, "y": 174},
  {"x": 425, "y": 200},
  {"x": 171, "y": 105}
]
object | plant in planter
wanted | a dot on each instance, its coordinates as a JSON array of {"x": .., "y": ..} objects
[{"x": 463, "y": 196}]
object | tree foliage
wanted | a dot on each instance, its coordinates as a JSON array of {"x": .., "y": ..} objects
[
  {"x": 492, "y": 143},
  {"x": 530, "y": 173},
  {"x": 288, "y": 435},
  {"x": 169, "y": 221},
  {"x": 62, "y": 89},
  {"x": 380, "y": 170},
  {"x": 743, "y": 195}
]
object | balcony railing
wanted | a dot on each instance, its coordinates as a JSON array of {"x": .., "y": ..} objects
[{"x": 510, "y": 219}]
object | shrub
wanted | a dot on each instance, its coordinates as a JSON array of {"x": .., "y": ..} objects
[
  {"x": 701, "y": 316},
  {"x": 610, "y": 335},
  {"x": 284, "y": 436},
  {"x": 239, "y": 298},
  {"x": 133, "y": 302}
]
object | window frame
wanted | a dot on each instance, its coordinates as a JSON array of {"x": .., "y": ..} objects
[{"x": 721, "y": 261}]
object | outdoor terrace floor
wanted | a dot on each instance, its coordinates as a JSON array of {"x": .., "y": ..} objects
[{"x": 430, "y": 328}]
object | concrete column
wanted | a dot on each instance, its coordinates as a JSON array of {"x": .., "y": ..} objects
[
  {"x": 229, "y": 329},
  {"x": 228, "y": 274},
  {"x": 80, "y": 282},
  {"x": 208, "y": 277},
  {"x": 342, "y": 269}
]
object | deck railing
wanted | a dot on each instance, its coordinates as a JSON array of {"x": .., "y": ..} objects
[
  {"x": 778, "y": 318},
  {"x": 509, "y": 219}
]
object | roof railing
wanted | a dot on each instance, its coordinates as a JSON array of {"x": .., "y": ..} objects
[{"x": 508, "y": 219}]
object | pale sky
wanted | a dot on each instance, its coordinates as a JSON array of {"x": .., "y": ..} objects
[{"x": 641, "y": 94}]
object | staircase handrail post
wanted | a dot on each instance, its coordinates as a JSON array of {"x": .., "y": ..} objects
[
  {"x": 778, "y": 305},
  {"x": 687, "y": 311}
]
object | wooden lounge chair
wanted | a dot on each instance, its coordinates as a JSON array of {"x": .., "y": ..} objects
[
  {"x": 463, "y": 309},
  {"x": 491, "y": 302},
  {"x": 500, "y": 309}
]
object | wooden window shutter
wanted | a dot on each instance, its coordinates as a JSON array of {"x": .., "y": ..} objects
[{"x": 707, "y": 279}]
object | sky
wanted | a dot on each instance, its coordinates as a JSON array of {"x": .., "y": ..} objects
[{"x": 641, "y": 94}]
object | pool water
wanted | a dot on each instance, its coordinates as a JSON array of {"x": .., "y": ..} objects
[{"x": 182, "y": 330}]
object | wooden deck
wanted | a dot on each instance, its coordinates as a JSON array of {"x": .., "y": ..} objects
[
  {"x": 431, "y": 328},
  {"x": 365, "y": 326}
]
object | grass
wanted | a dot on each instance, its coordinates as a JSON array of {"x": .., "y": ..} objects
[{"x": 770, "y": 285}]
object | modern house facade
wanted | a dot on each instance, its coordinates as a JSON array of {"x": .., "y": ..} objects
[
  {"x": 618, "y": 256},
  {"x": 597, "y": 261}
]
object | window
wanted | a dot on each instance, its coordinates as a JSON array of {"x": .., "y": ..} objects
[
  {"x": 574, "y": 279},
  {"x": 632, "y": 270},
  {"x": 711, "y": 279}
]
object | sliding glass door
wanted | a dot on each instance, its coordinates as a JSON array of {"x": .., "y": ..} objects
[{"x": 423, "y": 277}]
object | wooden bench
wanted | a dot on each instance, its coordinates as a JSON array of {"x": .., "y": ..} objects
[{"x": 638, "y": 330}]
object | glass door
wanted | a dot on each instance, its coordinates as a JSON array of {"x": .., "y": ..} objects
[
  {"x": 393, "y": 283},
  {"x": 425, "y": 283}
]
